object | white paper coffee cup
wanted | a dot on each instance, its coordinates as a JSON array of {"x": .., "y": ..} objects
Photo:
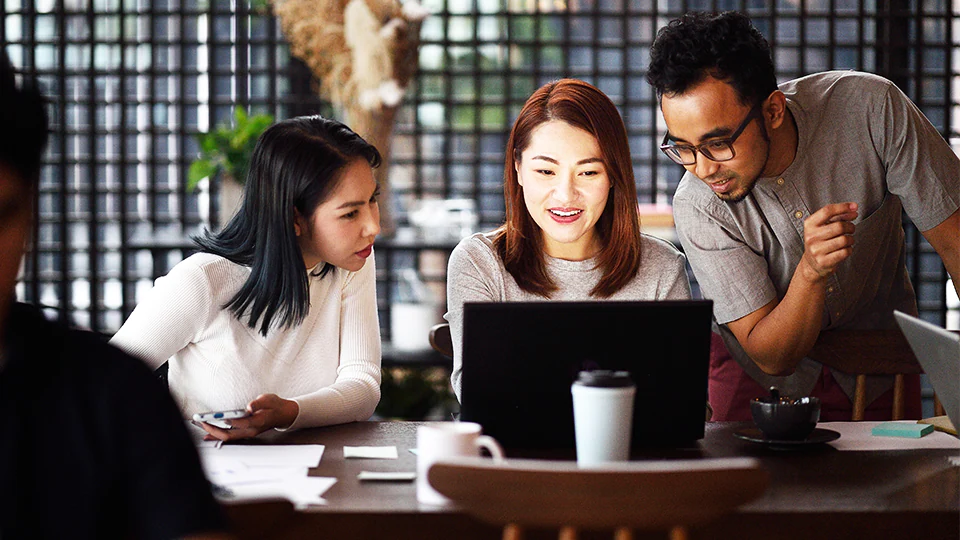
[{"x": 603, "y": 416}]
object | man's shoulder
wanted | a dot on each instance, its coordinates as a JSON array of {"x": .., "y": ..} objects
[
  {"x": 694, "y": 197},
  {"x": 691, "y": 190},
  {"x": 54, "y": 348},
  {"x": 855, "y": 86}
]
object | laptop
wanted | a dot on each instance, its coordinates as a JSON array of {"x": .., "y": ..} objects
[
  {"x": 938, "y": 352},
  {"x": 520, "y": 358}
]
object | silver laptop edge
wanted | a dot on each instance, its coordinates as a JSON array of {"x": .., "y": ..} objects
[{"x": 938, "y": 352}]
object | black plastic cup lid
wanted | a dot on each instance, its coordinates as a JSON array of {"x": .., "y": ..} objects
[{"x": 605, "y": 378}]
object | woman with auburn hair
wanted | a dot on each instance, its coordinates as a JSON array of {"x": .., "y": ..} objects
[{"x": 572, "y": 231}]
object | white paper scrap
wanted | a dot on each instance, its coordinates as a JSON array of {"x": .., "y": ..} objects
[
  {"x": 381, "y": 476},
  {"x": 370, "y": 452}
]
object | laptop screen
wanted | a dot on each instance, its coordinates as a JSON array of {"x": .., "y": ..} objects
[{"x": 520, "y": 358}]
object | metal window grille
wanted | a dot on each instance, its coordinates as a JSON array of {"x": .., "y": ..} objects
[{"x": 132, "y": 82}]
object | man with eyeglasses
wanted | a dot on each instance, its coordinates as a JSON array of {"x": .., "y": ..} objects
[{"x": 790, "y": 209}]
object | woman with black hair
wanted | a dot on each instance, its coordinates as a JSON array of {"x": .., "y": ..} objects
[{"x": 277, "y": 313}]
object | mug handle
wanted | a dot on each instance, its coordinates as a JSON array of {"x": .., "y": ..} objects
[{"x": 492, "y": 446}]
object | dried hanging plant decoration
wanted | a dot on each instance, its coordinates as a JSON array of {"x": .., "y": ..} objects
[{"x": 364, "y": 54}]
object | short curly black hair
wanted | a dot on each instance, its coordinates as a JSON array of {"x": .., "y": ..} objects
[{"x": 726, "y": 46}]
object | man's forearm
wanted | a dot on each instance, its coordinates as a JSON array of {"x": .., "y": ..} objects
[{"x": 781, "y": 338}]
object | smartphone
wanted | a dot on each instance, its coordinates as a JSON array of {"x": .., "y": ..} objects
[{"x": 216, "y": 418}]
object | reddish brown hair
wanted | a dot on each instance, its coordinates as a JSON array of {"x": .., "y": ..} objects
[{"x": 519, "y": 242}]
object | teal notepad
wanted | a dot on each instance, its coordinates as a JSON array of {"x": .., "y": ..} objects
[{"x": 902, "y": 429}]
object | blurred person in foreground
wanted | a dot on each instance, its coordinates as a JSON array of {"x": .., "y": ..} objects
[
  {"x": 790, "y": 209},
  {"x": 91, "y": 443}
]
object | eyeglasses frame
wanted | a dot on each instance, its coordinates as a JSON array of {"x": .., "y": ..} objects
[{"x": 664, "y": 147}]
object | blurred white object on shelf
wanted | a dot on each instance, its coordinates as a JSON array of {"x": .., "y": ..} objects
[{"x": 444, "y": 219}]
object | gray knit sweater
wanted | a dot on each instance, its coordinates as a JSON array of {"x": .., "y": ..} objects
[{"x": 476, "y": 274}]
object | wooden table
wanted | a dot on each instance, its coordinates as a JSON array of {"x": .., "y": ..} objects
[{"x": 822, "y": 493}]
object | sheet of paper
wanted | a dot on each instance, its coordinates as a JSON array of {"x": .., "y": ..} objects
[
  {"x": 370, "y": 452},
  {"x": 856, "y": 436},
  {"x": 258, "y": 472},
  {"x": 233, "y": 477},
  {"x": 302, "y": 492},
  {"x": 295, "y": 455}
]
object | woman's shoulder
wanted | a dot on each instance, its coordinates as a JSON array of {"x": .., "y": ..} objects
[
  {"x": 475, "y": 250},
  {"x": 209, "y": 263},
  {"x": 652, "y": 247},
  {"x": 477, "y": 244},
  {"x": 214, "y": 270}
]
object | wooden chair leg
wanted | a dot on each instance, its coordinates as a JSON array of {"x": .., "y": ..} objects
[
  {"x": 938, "y": 409},
  {"x": 512, "y": 532},
  {"x": 679, "y": 533},
  {"x": 567, "y": 533},
  {"x": 898, "y": 392},
  {"x": 860, "y": 398},
  {"x": 623, "y": 533}
]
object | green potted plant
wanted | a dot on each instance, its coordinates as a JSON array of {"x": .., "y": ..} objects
[
  {"x": 412, "y": 394},
  {"x": 225, "y": 154}
]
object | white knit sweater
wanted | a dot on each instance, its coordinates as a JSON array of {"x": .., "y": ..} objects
[{"x": 329, "y": 364}]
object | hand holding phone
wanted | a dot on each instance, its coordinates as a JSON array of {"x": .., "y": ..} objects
[{"x": 216, "y": 418}]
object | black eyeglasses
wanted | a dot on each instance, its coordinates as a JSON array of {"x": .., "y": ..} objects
[{"x": 715, "y": 150}]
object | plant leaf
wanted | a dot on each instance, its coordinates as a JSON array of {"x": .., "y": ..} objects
[
  {"x": 228, "y": 148},
  {"x": 240, "y": 115},
  {"x": 199, "y": 170}
]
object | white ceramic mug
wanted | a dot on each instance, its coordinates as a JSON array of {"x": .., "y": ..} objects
[
  {"x": 438, "y": 440},
  {"x": 603, "y": 416}
]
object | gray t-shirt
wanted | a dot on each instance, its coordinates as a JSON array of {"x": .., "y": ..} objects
[
  {"x": 476, "y": 274},
  {"x": 860, "y": 140}
]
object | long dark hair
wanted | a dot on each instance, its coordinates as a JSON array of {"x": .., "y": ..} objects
[
  {"x": 519, "y": 242},
  {"x": 295, "y": 167}
]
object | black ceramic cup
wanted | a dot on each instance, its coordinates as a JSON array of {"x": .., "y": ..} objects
[{"x": 785, "y": 419}]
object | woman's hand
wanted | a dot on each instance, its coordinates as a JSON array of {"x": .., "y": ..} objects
[{"x": 267, "y": 411}]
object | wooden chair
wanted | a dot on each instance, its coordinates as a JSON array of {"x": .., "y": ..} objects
[
  {"x": 870, "y": 352},
  {"x": 651, "y": 496},
  {"x": 440, "y": 339}
]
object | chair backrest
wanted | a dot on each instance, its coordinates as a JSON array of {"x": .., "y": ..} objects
[
  {"x": 440, "y": 339},
  {"x": 652, "y": 495},
  {"x": 869, "y": 352}
]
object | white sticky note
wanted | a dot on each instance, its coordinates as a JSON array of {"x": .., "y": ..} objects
[{"x": 370, "y": 452}]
